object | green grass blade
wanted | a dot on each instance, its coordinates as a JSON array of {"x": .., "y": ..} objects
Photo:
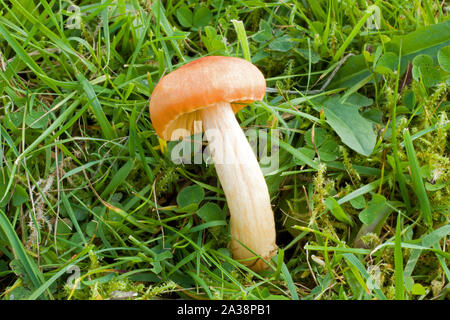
[
  {"x": 118, "y": 178},
  {"x": 242, "y": 36},
  {"x": 353, "y": 261},
  {"x": 419, "y": 186},
  {"x": 19, "y": 251},
  {"x": 398, "y": 260},
  {"x": 298, "y": 154},
  {"x": 71, "y": 214},
  {"x": 107, "y": 129},
  {"x": 353, "y": 34},
  {"x": 289, "y": 282}
]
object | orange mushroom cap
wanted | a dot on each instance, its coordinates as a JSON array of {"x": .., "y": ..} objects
[{"x": 201, "y": 83}]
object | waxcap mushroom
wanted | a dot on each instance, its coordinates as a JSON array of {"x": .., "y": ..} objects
[
  {"x": 179, "y": 95},
  {"x": 209, "y": 91}
]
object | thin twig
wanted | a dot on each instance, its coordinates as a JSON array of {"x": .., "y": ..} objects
[{"x": 309, "y": 266}]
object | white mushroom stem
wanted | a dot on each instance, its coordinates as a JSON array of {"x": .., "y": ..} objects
[{"x": 252, "y": 221}]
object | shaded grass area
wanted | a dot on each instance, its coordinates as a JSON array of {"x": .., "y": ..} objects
[{"x": 93, "y": 207}]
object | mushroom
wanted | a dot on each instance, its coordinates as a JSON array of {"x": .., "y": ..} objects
[{"x": 209, "y": 91}]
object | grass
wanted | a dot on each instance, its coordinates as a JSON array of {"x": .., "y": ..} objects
[{"x": 92, "y": 207}]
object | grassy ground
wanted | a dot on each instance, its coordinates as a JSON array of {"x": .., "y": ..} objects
[{"x": 91, "y": 207}]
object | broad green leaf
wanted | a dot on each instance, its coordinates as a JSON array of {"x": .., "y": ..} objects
[
  {"x": 434, "y": 187},
  {"x": 185, "y": 17},
  {"x": 20, "y": 196},
  {"x": 444, "y": 58},
  {"x": 358, "y": 202},
  {"x": 190, "y": 195},
  {"x": 202, "y": 17},
  {"x": 18, "y": 268},
  {"x": 210, "y": 212},
  {"x": 213, "y": 42},
  {"x": 320, "y": 136},
  {"x": 265, "y": 32},
  {"x": 423, "y": 68},
  {"x": 378, "y": 215},
  {"x": 359, "y": 100},
  {"x": 418, "y": 289},
  {"x": 337, "y": 211},
  {"x": 282, "y": 44},
  {"x": 426, "y": 40},
  {"x": 409, "y": 99},
  {"x": 354, "y": 130},
  {"x": 354, "y": 71},
  {"x": 91, "y": 228},
  {"x": 374, "y": 115},
  {"x": 16, "y": 118},
  {"x": 19, "y": 293},
  {"x": 329, "y": 150},
  {"x": 368, "y": 215},
  {"x": 387, "y": 64}
]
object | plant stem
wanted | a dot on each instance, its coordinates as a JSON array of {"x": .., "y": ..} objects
[{"x": 252, "y": 221}]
